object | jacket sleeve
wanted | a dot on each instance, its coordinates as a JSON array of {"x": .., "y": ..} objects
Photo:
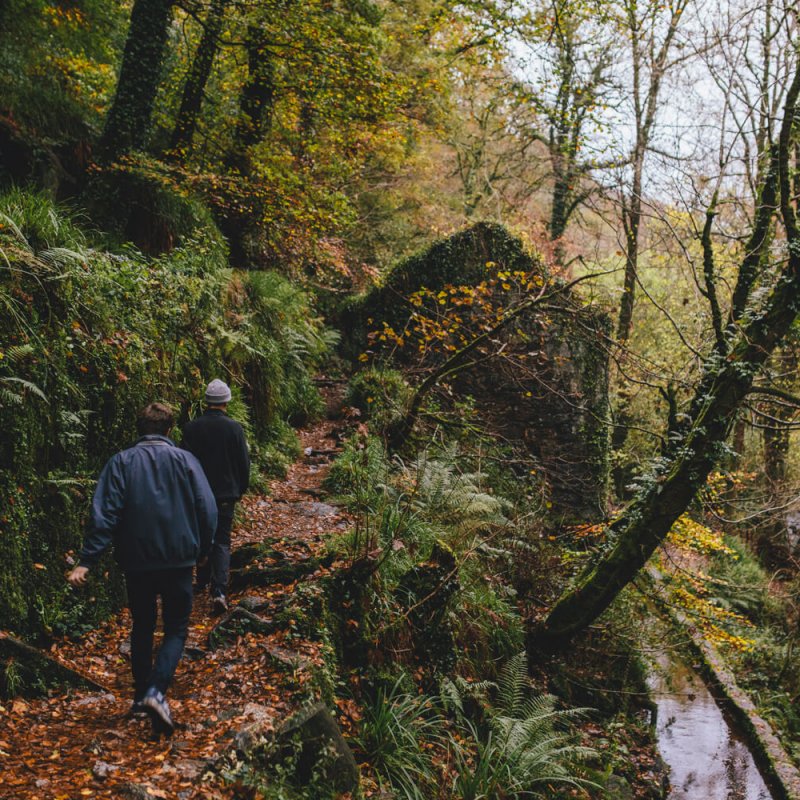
[
  {"x": 243, "y": 465},
  {"x": 187, "y": 439},
  {"x": 205, "y": 506},
  {"x": 108, "y": 505}
]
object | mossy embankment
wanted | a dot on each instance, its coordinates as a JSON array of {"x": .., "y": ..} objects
[{"x": 89, "y": 335}]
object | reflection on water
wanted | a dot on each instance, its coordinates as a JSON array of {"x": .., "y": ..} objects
[{"x": 707, "y": 761}]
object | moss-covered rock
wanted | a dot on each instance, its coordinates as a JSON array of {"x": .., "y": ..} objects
[{"x": 459, "y": 259}]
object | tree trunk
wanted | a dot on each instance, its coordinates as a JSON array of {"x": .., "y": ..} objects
[
  {"x": 647, "y": 520},
  {"x": 561, "y": 197},
  {"x": 255, "y": 117},
  {"x": 128, "y": 121},
  {"x": 255, "y": 101},
  {"x": 692, "y": 452},
  {"x": 625, "y": 321},
  {"x": 739, "y": 431},
  {"x": 196, "y": 80},
  {"x": 776, "y": 450}
]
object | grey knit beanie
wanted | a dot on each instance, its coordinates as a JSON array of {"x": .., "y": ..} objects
[{"x": 218, "y": 392}]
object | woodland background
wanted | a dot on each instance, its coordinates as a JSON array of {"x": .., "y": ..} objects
[{"x": 551, "y": 249}]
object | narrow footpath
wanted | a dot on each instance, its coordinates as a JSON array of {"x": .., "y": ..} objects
[{"x": 236, "y": 681}]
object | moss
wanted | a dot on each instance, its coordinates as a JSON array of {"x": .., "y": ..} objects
[
  {"x": 136, "y": 201},
  {"x": 15, "y": 511}
]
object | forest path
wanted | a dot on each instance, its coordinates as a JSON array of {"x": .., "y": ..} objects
[{"x": 84, "y": 744}]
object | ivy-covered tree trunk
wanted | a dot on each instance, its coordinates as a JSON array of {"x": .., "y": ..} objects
[
  {"x": 196, "y": 80},
  {"x": 632, "y": 218},
  {"x": 646, "y": 521},
  {"x": 563, "y": 192},
  {"x": 128, "y": 121},
  {"x": 695, "y": 448},
  {"x": 776, "y": 451},
  {"x": 256, "y": 100}
]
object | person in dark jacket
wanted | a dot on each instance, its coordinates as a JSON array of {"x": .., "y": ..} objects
[
  {"x": 153, "y": 502},
  {"x": 219, "y": 444}
]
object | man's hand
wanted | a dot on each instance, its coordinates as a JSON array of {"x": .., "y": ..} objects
[
  {"x": 201, "y": 562},
  {"x": 78, "y": 576}
]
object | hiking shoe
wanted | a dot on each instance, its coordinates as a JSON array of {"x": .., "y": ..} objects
[
  {"x": 137, "y": 709},
  {"x": 219, "y": 604},
  {"x": 157, "y": 709}
]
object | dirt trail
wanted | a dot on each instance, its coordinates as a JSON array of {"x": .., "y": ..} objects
[{"x": 84, "y": 744}]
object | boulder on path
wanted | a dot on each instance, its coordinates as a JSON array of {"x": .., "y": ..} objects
[
  {"x": 285, "y": 572},
  {"x": 313, "y": 743},
  {"x": 316, "y": 509},
  {"x": 135, "y": 791},
  {"x": 242, "y": 556},
  {"x": 256, "y": 604},
  {"x": 237, "y": 622}
]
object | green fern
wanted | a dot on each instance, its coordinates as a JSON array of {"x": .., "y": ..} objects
[
  {"x": 10, "y": 397},
  {"x": 523, "y": 748},
  {"x": 452, "y": 498},
  {"x": 13, "y": 389},
  {"x": 512, "y": 685}
]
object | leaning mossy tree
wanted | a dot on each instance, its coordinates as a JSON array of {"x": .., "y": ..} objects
[{"x": 764, "y": 305}]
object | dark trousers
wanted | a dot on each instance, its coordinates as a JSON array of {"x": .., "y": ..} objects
[
  {"x": 175, "y": 588},
  {"x": 216, "y": 570}
]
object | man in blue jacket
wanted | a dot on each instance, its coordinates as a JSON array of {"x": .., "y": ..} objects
[{"x": 154, "y": 503}]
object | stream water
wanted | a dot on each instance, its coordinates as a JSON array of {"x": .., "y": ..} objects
[{"x": 707, "y": 759}]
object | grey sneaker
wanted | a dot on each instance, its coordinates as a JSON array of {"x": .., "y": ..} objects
[
  {"x": 156, "y": 707},
  {"x": 219, "y": 604}
]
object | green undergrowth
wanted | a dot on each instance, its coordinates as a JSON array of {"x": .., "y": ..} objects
[
  {"x": 87, "y": 338},
  {"x": 381, "y": 395},
  {"x": 768, "y": 670},
  {"x": 446, "y": 570},
  {"x": 471, "y": 740}
]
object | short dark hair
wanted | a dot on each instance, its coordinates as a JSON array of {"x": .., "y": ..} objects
[{"x": 156, "y": 418}]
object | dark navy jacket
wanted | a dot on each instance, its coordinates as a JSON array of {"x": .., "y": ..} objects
[
  {"x": 219, "y": 444},
  {"x": 154, "y": 502}
]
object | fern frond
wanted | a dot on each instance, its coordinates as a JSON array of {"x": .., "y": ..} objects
[
  {"x": 17, "y": 352},
  {"x": 26, "y": 386},
  {"x": 513, "y": 684},
  {"x": 60, "y": 256},
  {"x": 9, "y": 398}
]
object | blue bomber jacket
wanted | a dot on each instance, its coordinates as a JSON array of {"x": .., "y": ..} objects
[{"x": 154, "y": 503}]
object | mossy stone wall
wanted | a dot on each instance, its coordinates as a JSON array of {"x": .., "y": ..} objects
[{"x": 557, "y": 407}]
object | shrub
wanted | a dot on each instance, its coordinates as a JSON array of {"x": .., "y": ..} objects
[
  {"x": 522, "y": 749},
  {"x": 381, "y": 395},
  {"x": 396, "y": 732}
]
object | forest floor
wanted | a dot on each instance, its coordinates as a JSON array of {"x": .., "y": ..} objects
[{"x": 85, "y": 744}]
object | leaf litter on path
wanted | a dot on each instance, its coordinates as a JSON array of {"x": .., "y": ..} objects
[{"x": 85, "y": 745}]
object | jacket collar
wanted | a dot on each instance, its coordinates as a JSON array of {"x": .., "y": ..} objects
[
  {"x": 155, "y": 438},
  {"x": 216, "y": 411}
]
